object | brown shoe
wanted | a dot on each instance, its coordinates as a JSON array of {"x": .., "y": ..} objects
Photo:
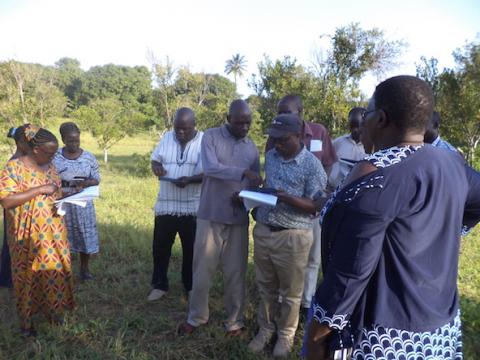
[
  {"x": 185, "y": 329},
  {"x": 235, "y": 333}
]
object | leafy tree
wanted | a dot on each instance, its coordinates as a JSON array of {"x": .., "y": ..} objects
[
  {"x": 324, "y": 100},
  {"x": 208, "y": 95},
  {"x": 456, "y": 94},
  {"x": 28, "y": 94},
  {"x": 355, "y": 52},
  {"x": 108, "y": 121},
  {"x": 427, "y": 70},
  {"x": 69, "y": 79},
  {"x": 459, "y": 99},
  {"x": 329, "y": 88},
  {"x": 132, "y": 86},
  {"x": 164, "y": 74},
  {"x": 236, "y": 66}
]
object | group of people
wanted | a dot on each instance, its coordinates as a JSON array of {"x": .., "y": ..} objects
[
  {"x": 374, "y": 208},
  {"x": 37, "y": 241}
]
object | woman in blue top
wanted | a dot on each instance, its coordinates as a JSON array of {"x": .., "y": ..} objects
[
  {"x": 391, "y": 238},
  {"x": 78, "y": 169}
]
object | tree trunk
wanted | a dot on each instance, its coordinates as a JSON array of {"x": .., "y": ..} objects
[{"x": 105, "y": 155}]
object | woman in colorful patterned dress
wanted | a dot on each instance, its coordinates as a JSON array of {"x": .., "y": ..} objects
[
  {"x": 391, "y": 239},
  {"x": 18, "y": 135},
  {"x": 78, "y": 169},
  {"x": 37, "y": 237}
]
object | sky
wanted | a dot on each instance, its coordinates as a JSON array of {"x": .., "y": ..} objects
[{"x": 203, "y": 34}]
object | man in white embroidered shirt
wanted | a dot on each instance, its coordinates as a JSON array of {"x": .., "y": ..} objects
[{"x": 176, "y": 161}]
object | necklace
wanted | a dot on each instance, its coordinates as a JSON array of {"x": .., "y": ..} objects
[{"x": 182, "y": 155}]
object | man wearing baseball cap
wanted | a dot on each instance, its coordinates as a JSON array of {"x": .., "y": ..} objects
[{"x": 283, "y": 233}]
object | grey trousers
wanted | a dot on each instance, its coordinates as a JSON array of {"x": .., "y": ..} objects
[
  {"x": 225, "y": 245},
  {"x": 313, "y": 266}
]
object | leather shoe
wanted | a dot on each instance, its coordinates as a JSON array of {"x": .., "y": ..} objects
[
  {"x": 185, "y": 329},
  {"x": 235, "y": 333}
]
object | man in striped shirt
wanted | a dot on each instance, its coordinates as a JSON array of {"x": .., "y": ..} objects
[{"x": 177, "y": 163}]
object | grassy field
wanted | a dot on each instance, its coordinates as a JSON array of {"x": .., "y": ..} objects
[{"x": 113, "y": 319}]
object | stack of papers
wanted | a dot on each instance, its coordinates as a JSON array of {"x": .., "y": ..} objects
[
  {"x": 253, "y": 199},
  {"x": 79, "y": 199}
]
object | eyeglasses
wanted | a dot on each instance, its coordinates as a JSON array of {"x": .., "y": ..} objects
[{"x": 364, "y": 115}]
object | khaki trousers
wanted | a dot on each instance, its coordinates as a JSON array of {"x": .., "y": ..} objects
[
  {"x": 280, "y": 260},
  {"x": 226, "y": 245}
]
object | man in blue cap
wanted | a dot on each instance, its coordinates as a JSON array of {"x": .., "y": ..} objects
[{"x": 283, "y": 233}]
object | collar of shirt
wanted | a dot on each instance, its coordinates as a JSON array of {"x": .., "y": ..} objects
[
  {"x": 307, "y": 130},
  {"x": 349, "y": 138},
  {"x": 226, "y": 133},
  {"x": 436, "y": 141},
  {"x": 297, "y": 158}
]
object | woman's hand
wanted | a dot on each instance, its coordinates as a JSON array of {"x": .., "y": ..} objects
[{"x": 48, "y": 189}]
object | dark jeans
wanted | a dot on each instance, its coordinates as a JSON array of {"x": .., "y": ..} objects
[
  {"x": 5, "y": 266},
  {"x": 166, "y": 228}
]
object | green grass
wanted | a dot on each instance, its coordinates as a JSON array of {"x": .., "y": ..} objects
[{"x": 113, "y": 319}]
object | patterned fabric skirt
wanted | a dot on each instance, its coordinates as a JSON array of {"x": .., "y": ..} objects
[
  {"x": 82, "y": 228},
  {"x": 382, "y": 343},
  {"x": 42, "y": 284}
]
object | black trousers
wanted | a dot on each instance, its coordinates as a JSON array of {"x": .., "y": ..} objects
[
  {"x": 5, "y": 264},
  {"x": 165, "y": 230}
]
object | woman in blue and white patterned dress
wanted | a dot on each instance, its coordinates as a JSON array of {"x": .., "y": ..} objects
[
  {"x": 391, "y": 239},
  {"x": 78, "y": 169}
]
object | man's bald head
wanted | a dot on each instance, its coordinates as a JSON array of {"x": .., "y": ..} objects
[
  {"x": 184, "y": 125},
  {"x": 290, "y": 104},
  {"x": 239, "y": 106},
  {"x": 239, "y": 118},
  {"x": 184, "y": 114}
]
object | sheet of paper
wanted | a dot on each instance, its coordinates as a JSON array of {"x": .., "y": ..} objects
[
  {"x": 316, "y": 145},
  {"x": 253, "y": 199},
  {"x": 78, "y": 199}
]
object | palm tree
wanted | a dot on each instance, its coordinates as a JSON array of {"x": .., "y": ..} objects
[{"x": 236, "y": 66}]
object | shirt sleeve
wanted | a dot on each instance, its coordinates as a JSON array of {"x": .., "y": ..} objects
[
  {"x": 471, "y": 214},
  {"x": 94, "y": 168},
  {"x": 256, "y": 164},
  {"x": 317, "y": 179},
  {"x": 212, "y": 166},
  {"x": 354, "y": 257},
  {"x": 329, "y": 155},
  {"x": 157, "y": 152},
  {"x": 199, "y": 166},
  {"x": 8, "y": 181}
]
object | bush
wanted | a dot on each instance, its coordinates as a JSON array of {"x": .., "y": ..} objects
[{"x": 141, "y": 165}]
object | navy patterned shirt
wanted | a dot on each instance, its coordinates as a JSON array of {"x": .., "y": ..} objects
[{"x": 302, "y": 176}]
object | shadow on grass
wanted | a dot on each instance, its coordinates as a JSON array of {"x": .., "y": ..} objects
[{"x": 113, "y": 319}]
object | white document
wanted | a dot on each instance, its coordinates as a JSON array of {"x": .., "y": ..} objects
[
  {"x": 253, "y": 199},
  {"x": 79, "y": 199},
  {"x": 316, "y": 145}
]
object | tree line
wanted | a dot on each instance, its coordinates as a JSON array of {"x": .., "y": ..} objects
[{"x": 114, "y": 101}]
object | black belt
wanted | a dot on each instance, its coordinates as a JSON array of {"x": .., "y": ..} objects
[{"x": 277, "y": 228}]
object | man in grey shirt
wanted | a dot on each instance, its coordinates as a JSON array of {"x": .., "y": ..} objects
[
  {"x": 230, "y": 164},
  {"x": 283, "y": 233}
]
